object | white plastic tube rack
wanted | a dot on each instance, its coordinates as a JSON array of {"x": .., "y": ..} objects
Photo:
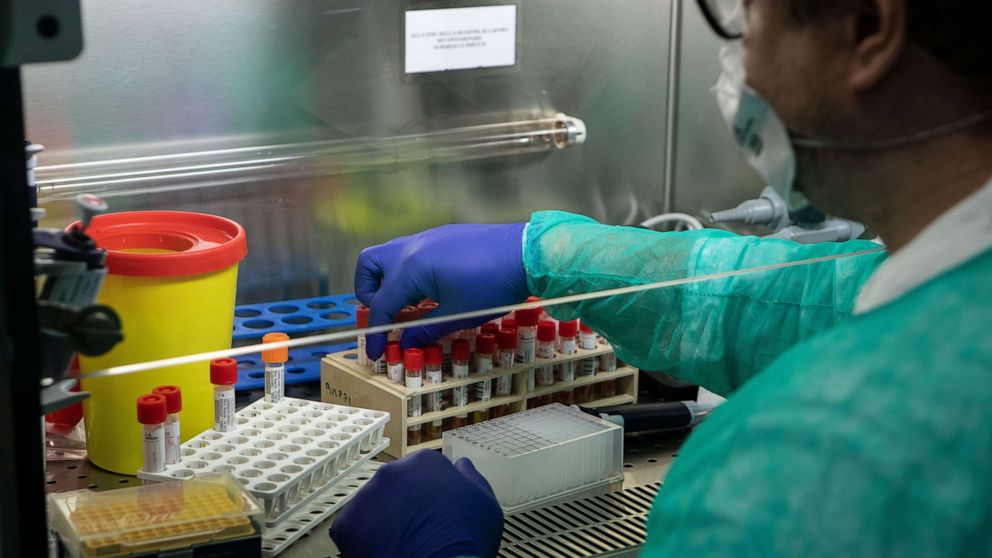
[
  {"x": 285, "y": 453},
  {"x": 278, "y": 538}
]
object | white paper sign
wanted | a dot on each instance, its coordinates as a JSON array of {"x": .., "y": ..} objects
[{"x": 461, "y": 38}]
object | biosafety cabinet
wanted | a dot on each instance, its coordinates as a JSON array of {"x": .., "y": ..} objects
[{"x": 326, "y": 126}]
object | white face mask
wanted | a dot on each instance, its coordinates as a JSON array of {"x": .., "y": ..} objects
[
  {"x": 759, "y": 132},
  {"x": 766, "y": 142}
]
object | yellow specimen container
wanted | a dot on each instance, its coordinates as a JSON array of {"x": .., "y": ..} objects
[{"x": 172, "y": 277}]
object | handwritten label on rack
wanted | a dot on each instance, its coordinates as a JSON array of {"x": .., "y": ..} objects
[
  {"x": 337, "y": 395},
  {"x": 460, "y": 38}
]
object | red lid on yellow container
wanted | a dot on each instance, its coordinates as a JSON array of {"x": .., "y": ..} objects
[
  {"x": 275, "y": 355},
  {"x": 167, "y": 243}
]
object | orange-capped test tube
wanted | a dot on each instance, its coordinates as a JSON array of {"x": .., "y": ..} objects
[{"x": 275, "y": 367}]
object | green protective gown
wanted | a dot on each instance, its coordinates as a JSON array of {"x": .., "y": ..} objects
[{"x": 866, "y": 435}]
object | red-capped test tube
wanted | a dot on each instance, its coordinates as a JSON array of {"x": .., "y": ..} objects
[
  {"x": 432, "y": 371},
  {"x": 567, "y": 332},
  {"x": 527, "y": 334},
  {"x": 508, "y": 323},
  {"x": 546, "y": 337},
  {"x": 394, "y": 362},
  {"x": 485, "y": 349},
  {"x": 407, "y": 314},
  {"x": 491, "y": 328},
  {"x": 543, "y": 315},
  {"x": 413, "y": 370},
  {"x": 223, "y": 375},
  {"x": 446, "y": 351},
  {"x": 425, "y": 307},
  {"x": 460, "y": 353},
  {"x": 362, "y": 322},
  {"x": 506, "y": 342},
  {"x": 587, "y": 366},
  {"x": 152, "y": 413},
  {"x": 275, "y": 367},
  {"x": 174, "y": 403},
  {"x": 471, "y": 335}
]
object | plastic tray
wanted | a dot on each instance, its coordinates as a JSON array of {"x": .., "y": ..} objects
[
  {"x": 333, "y": 498},
  {"x": 284, "y": 453},
  {"x": 161, "y": 517},
  {"x": 303, "y": 366},
  {"x": 301, "y": 315},
  {"x": 538, "y": 453},
  {"x": 295, "y": 317}
]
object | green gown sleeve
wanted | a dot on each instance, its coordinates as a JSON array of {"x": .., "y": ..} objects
[{"x": 715, "y": 333}]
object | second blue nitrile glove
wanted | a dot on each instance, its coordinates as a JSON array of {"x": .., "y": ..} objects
[
  {"x": 421, "y": 507},
  {"x": 462, "y": 267}
]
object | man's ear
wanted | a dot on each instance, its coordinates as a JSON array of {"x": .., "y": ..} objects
[{"x": 878, "y": 30}]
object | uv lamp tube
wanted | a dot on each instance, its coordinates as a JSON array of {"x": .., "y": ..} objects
[{"x": 199, "y": 169}]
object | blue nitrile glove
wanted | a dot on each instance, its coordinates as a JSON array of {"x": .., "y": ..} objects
[
  {"x": 461, "y": 267},
  {"x": 421, "y": 507}
]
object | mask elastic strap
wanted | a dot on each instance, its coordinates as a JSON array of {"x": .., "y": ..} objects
[{"x": 918, "y": 137}]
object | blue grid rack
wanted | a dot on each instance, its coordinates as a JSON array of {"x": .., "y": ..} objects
[{"x": 294, "y": 317}]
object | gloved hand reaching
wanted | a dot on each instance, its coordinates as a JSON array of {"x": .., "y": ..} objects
[
  {"x": 421, "y": 507},
  {"x": 461, "y": 267}
]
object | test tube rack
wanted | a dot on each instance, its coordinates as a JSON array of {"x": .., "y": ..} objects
[
  {"x": 279, "y": 538},
  {"x": 300, "y": 316},
  {"x": 287, "y": 453},
  {"x": 345, "y": 382}
]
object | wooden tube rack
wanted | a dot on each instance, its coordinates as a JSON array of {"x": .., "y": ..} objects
[{"x": 345, "y": 382}]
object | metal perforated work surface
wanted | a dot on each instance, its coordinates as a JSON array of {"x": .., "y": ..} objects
[
  {"x": 647, "y": 458},
  {"x": 607, "y": 525}
]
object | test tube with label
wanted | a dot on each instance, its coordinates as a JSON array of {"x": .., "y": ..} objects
[
  {"x": 174, "y": 403},
  {"x": 433, "y": 357},
  {"x": 446, "y": 352},
  {"x": 413, "y": 370},
  {"x": 275, "y": 367},
  {"x": 469, "y": 334},
  {"x": 491, "y": 328},
  {"x": 459, "y": 369},
  {"x": 425, "y": 307},
  {"x": 541, "y": 314},
  {"x": 407, "y": 314},
  {"x": 546, "y": 335},
  {"x": 223, "y": 375},
  {"x": 152, "y": 413},
  {"x": 485, "y": 350},
  {"x": 394, "y": 362},
  {"x": 567, "y": 332},
  {"x": 545, "y": 317},
  {"x": 505, "y": 358},
  {"x": 607, "y": 363},
  {"x": 587, "y": 366},
  {"x": 362, "y": 322},
  {"x": 526, "y": 334}
]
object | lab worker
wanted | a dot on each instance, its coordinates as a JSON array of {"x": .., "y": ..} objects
[{"x": 859, "y": 418}]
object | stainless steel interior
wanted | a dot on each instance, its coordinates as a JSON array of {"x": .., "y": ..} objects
[{"x": 158, "y": 81}]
